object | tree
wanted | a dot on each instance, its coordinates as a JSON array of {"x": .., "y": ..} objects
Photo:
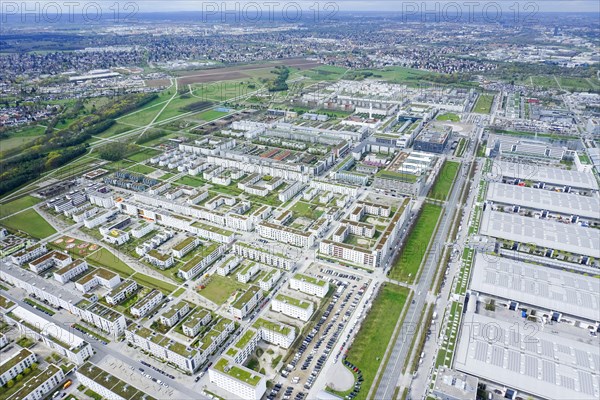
[
  {"x": 19, "y": 377},
  {"x": 27, "y": 371},
  {"x": 34, "y": 366},
  {"x": 10, "y": 383}
]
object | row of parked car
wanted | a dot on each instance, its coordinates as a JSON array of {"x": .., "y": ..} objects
[{"x": 157, "y": 369}]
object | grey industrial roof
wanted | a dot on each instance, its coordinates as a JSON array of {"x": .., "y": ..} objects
[
  {"x": 523, "y": 357},
  {"x": 548, "y": 288},
  {"x": 556, "y": 176},
  {"x": 540, "y": 199},
  {"x": 542, "y": 232}
]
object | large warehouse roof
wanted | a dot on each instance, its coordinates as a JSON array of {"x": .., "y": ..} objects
[
  {"x": 538, "y": 286},
  {"x": 542, "y": 232},
  {"x": 534, "y": 361},
  {"x": 555, "y": 176},
  {"x": 540, "y": 199}
]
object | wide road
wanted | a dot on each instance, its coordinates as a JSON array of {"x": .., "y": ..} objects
[{"x": 400, "y": 351}]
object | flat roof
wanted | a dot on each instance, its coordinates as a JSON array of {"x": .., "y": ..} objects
[
  {"x": 556, "y": 176},
  {"x": 551, "y": 289},
  {"x": 238, "y": 372},
  {"x": 294, "y": 302},
  {"x": 111, "y": 382},
  {"x": 310, "y": 279},
  {"x": 35, "y": 382},
  {"x": 550, "y": 234},
  {"x": 542, "y": 199},
  {"x": 545, "y": 365}
]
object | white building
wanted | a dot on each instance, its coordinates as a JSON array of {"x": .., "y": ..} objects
[
  {"x": 309, "y": 285},
  {"x": 123, "y": 291},
  {"x": 276, "y": 260},
  {"x": 53, "y": 259},
  {"x": 228, "y": 265},
  {"x": 292, "y": 307},
  {"x": 205, "y": 257},
  {"x": 99, "y": 276},
  {"x": 38, "y": 387},
  {"x": 269, "y": 279},
  {"x": 238, "y": 380},
  {"x": 160, "y": 260},
  {"x": 146, "y": 304},
  {"x": 276, "y": 333},
  {"x": 175, "y": 313},
  {"x": 70, "y": 271},
  {"x": 245, "y": 303},
  {"x": 199, "y": 318},
  {"x": 30, "y": 253},
  {"x": 14, "y": 362},
  {"x": 107, "y": 385},
  {"x": 285, "y": 234},
  {"x": 246, "y": 272},
  {"x": 53, "y": 336},
  {"x": 185, "y": 246}
]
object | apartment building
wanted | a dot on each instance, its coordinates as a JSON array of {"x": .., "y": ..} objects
[
  {"x": 268, "y": 279},
  {"x": 205, "y": 257},
  {"x": 3, "y": 339},
  {"x": 53, "y": 336},
  {"x": 238, "y": 380},
  {"x": 185, "y": 246},
  {"x": 354, "y": 254},
  {"x": 175, "y": 313},
  {"x": 146, "y": 304},
  {"x": 292, "y": 307},
  {"x": 242, "y": 348},
  {"x": 290, "y": 191},
  {"x": 38, "y": 387},
  {"x": 71, "y": 270},
  {"x": 178, "y": 354},
  {"x": 218, "y": 333},
  {"x": 30, "y": 253},
  {"x": 276, "y": 260},
  {"x": 99, "y": 218},
  {"x": 102, "y": 317},
  {"x": 276, "y": 333},
  {"x": 123, "y": 291},
  {"x": 160, "y": 260},
  {"x": 247, "y": 271},
  {"x": 245, "y": 303},
  {"x": 141, "y": 229},
  {"x": 199, "y": 318},
  {"x": 309, "y": 285},
  {"x": 107, "y": 385},
  {"x": 14, "y": 362},
  {"x": 52, "y": 259},
  {"x": 285, "y": 234},
  {"x": 98, "y": 277},
  {"x": 229, "y": 265}
]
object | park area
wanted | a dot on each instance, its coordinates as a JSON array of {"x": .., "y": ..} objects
[
  {"x": 104, "y": 258},
  {"x": 443, "y": 184},
  {"x": 17, "y": 205},
  {"x": 220, "y": 288},
  {"x": 406, "y": 266},
  {"x": 30, "y": 222},
  {"x": 368, "y": 350},
  {"x": 484, "y": 104}
]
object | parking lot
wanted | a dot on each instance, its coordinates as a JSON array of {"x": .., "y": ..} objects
[{"x": 297, "y": 377}]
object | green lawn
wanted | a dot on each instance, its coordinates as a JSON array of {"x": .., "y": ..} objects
[
  {"x": 155, "y": 283},
  {"x": 448, "y": 117},
  {"x": 105, "y": 258},
  {"x": 306, "y": 210},
  {"x": 142, "y": 169},
  {"x": 178, "y": 292},
  {"x": 484, "y": 104},
  {"x": 190, "y": 181},
  {"x": 143, "y": 155},
  {"x": 367, "y": 351},
  {"x": 443, "y": 184},
  {"x": 17, "y": 205},
  {"x": 20, "y": 137},
  {"x": 211, "y": 115},
  {"x": 220, "y": 288},
  {"x": 407, "y": 264},
  {"x": 30, "y": 222}
]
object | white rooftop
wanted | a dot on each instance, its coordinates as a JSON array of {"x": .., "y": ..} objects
[
  {"x": 556, "y": 176},
  {"x": 541, "y": 199},
  {"x": 548, "y": 288},
  {"x": 541, "y": 232},
  {"x": 521, "y": 356}
]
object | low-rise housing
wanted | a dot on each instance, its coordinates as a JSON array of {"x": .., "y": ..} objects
[{"x": 292, "y": 307}]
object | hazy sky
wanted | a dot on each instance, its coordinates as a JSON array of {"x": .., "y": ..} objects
[
  {"x": 342, "y": 5},
  {"x": 371, "y": 5}
]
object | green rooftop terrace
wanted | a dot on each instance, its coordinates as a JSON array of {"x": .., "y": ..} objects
[
  {"x": 293, "y": 301},
  {"x": 310, "y": 279},
  {"x": 240, "y": 373}
]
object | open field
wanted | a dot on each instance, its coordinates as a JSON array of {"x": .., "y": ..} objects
[
  {"x": 484, "y": 104},
  {"x": 105, "y": 258},
  {"x": 30, "y": 222},
  {"x": 154, "y": 283},
  {"x": 20, "y": 137},
  {"x": 448, "y": 117},
  {"x": 220, "y": 288},
  {"x": 143, "y": 155},
  {"x": 17, "y": 205},
  {"x": 406, "y": 265},
  {"x": 367, "y": 351},
  {"x": 444, "y": 181}
]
